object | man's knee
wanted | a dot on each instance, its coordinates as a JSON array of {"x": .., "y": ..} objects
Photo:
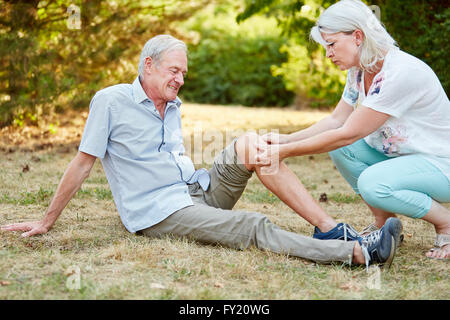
[{"x": 246, "y": 149}]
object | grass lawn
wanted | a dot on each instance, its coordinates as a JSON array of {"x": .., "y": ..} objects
[{"x": 89, "y": 240}]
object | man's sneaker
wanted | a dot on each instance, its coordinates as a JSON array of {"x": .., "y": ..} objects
[
  {"x": 342, "y": 231},
  {"x": 372, "y": 227},
  {"x": 380, "y": 246}
]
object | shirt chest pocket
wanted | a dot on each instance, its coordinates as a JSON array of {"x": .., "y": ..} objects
[{"x": 136, "y": 139}]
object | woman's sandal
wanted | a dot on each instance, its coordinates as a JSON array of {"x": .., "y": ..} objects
[{"x": 441, "y": 241}]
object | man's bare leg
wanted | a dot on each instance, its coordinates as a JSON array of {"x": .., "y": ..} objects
[{"x": 284, "y": 184}]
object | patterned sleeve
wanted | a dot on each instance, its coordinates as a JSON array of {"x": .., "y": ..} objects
[
  {"x": 351, "y": 92},
  {"x": 394, "y": 91}
]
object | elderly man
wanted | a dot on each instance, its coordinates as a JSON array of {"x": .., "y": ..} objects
[{"x": 135, "y": 129}]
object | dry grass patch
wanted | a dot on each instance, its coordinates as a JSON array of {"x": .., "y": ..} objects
[{"x": 115, "y": 264}]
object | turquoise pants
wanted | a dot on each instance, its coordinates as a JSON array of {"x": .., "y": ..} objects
[{"x": 404, "y": 185}]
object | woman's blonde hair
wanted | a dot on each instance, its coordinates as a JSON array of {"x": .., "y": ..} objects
[{"x": 349, "y": 15}]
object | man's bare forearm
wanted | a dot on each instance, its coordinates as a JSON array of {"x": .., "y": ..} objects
[{"x": 77, "y": 171}]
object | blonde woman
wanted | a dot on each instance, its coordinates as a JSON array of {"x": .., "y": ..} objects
[{"x": 389, "y": 135}]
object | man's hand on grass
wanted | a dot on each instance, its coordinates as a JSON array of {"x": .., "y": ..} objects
[{"x": 31, "y": 228}]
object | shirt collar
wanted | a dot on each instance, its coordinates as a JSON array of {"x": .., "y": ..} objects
[{"x": 140, "y": 95}]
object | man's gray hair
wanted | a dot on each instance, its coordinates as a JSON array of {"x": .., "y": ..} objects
[{"x": 156, "y": 46}]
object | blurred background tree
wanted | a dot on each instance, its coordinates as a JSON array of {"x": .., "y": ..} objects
[
  {"x": 46, "y": 66},
  {"x": 230, "y": 63},
  {"x": 248, "y": 52},
  {"x": 315, "y": 81},
  {"x": 421, "y": 28}
]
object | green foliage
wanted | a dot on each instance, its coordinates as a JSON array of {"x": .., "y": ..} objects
[
  {"x": 313, "y": 77},
  {"x": 231, "y": 63},
  {"x": 288, "y": 13},
  {"x": 236, "y": 70},
  {"x": 307, "y": 72},
  {"x": 421, "y": 28},
  {"x": 264, "y": 60},
  {"x": 45, "y": 65}
]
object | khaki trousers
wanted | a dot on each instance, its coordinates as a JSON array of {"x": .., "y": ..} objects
[{"x": 211, "y": 220}]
